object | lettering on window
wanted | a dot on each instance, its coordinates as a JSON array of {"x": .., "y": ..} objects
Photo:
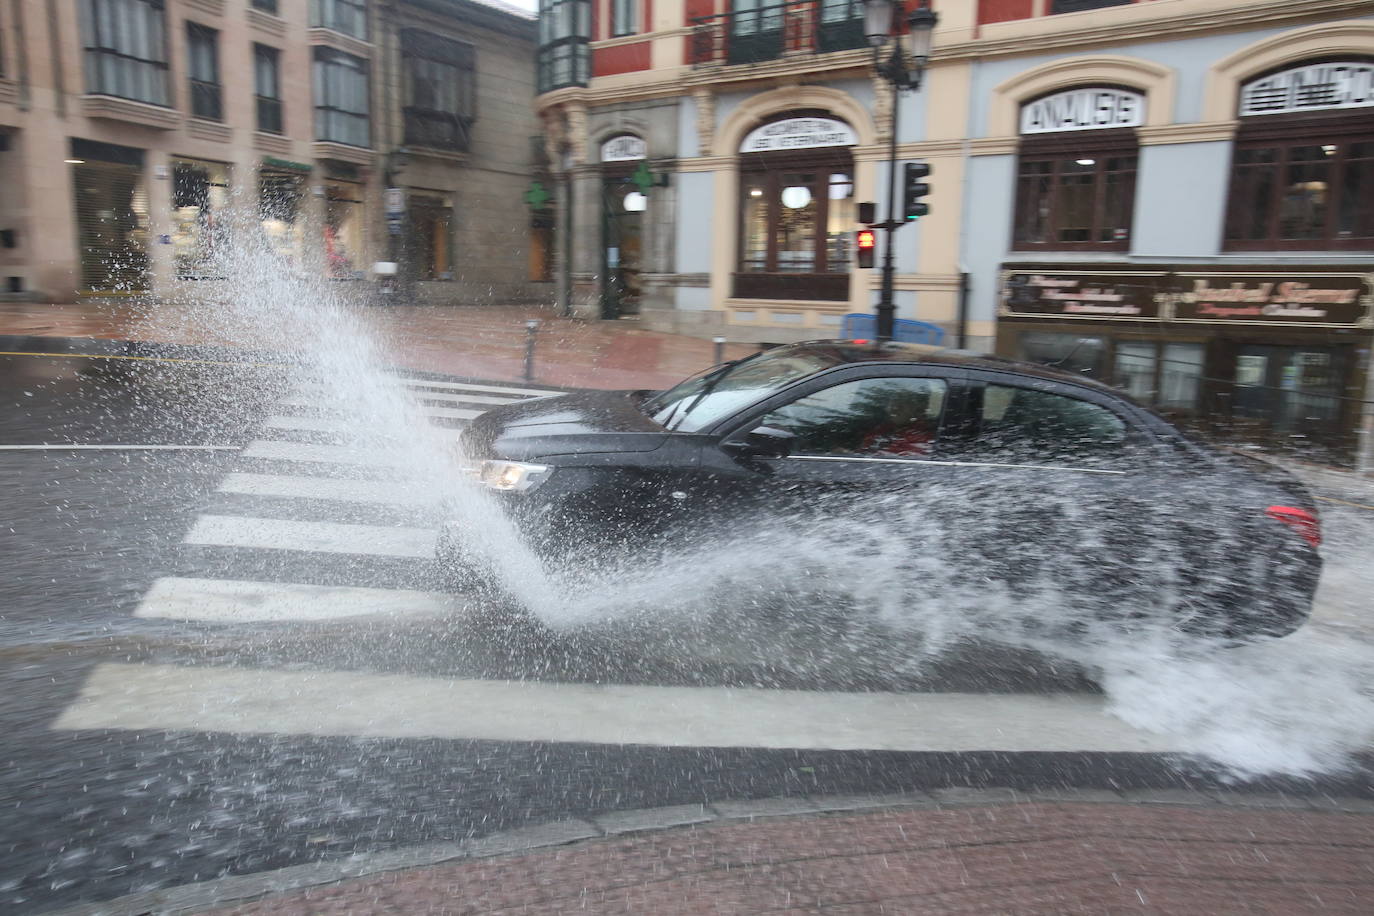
[
  {"x": 798, "y": 133},
  {"x": 1083, "y": 109},
  {"x": 1311, "y": 88}
]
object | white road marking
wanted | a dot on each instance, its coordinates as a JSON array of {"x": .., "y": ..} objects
[
  {"x": 464, "y": 398},
  {"x": 241, "y": 602},
  {"x": 469, "y": 386},
  {"x": 422, "y": 409},
  {"x": 120, "y": 448},
  {"x": 373, "y": 492},
  {"x": 317, "y": 537},
  {"x": 327, "y": 454},
  {"x": 361, "y": 704},
  {"x": 316, "y": 424}
]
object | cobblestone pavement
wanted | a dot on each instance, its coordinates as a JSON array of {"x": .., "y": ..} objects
[{"x": 953, "y": 852}]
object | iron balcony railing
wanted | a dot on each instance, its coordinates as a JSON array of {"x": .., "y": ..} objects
[{"x": 746, "y": 36}]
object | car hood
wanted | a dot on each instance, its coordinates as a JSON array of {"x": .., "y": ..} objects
[{"x": 571, "y": 424}]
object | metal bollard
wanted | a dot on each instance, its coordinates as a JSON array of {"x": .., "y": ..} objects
[
  {"x": 720, "y": 349},
  {"x": 531, "y": 326}
]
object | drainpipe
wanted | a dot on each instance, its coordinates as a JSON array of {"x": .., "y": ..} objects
[
  {"x": 1364, "y": 454},
  {"x": 962, "y": 338}
]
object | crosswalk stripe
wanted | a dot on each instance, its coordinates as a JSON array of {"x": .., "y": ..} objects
[
  {"x": 325, "y": 454},
  {"x": 456, "y": 413},
  {"x": 313, "y": 424},
  {"x": 465, "y": 398},
  {"x": 230, "y": 600},
  {"x": 362, "y": 704},
  {"x": 373, "y": 492},
  {"x": 451, "y": 413},
  {"x": 472, "y": 386},
  {"x": 318, "y": 537}
]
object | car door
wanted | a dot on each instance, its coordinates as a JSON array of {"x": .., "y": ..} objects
[
  {"x": 1059, "y": 488},
  {"x": 864, "y": 439}
]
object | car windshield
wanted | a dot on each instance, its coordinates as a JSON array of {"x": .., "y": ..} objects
[{"x": 701, "y": 400}]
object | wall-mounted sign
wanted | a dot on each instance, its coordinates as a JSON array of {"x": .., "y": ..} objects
[
  {"x": 1186, "y": 294},
  {"x": 1083, "y": 109},
  {"x": 1315, "y": 87},
  {"x": 798, "y": 133},
  {"x": 625, "y": 148},
  {"x": 1081, "y": 294}
]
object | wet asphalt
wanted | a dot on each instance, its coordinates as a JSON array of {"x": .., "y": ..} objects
[{"x": 91, "y": 815}]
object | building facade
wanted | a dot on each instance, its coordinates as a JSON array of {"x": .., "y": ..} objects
[
  {"x": 129, "y": 130},
  {"x": 1172, "y": 195}
]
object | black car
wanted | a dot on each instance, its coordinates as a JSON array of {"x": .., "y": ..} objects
[{"x": 1024, "y": 481}]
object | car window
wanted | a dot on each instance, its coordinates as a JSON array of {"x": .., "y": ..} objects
[
  {"x": 1025, "y": 426},
  {"x": 876, "y": 418}
]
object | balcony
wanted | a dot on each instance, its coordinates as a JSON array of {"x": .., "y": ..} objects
[{"x": 771, "y": 32}]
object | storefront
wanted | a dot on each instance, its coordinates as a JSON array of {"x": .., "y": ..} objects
[
  {"x": 623, "y": 206},
  {"x": 1249, "y": 352},
  {"x": 281, "y": 198},
  {"x": 111, "y": 209},
  {"x": 343, "y": 230},
  {"x": 200, "y": 201}
]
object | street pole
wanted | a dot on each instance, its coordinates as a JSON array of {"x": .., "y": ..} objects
[{"x": 887, "y": 309}]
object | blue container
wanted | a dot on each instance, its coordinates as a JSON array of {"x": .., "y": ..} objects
[{"x": 862, "y": 326}]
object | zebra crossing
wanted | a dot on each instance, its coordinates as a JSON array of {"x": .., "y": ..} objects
[{"x": 358, "y": 545}]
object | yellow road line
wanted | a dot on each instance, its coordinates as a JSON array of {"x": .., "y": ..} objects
[
  {"x": 1332, "y": 499},
  {"x": 151, "y": 359}
]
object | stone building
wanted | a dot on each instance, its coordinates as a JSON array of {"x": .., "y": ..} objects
[
  {"x": 129, "y": 127},
  {"x": 1176, "y": 196}
]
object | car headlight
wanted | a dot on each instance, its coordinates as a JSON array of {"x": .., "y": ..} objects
[{"x": 510, "y": 475}]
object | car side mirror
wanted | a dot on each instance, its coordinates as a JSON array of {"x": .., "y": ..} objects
[{"x": 763, "y": 442}]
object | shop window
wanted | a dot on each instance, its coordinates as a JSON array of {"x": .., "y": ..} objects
[
  {"x": 565, "y": 28},
  {"x": 431, "y": 238},
  {"x": 441, "y": 93},
  {"x": 267, "y": 86},
  {"x": 1167, "y": 376},
  {"x": 341, "y": 102},
  {"x": 1078, "y": 6},
  {"x": 279, "y": 201},
  {"x": 624, "y": 17},
  {"x": 1075, "y": 200},
  {"x": 343, "y": 230},
  {"x": 346, "y": 16},
  {"x": 111, "y": 219},
  {"x": 797, "y": 221},
  {"x": 1302, "y": 194},
  {"x": 267, "y": 6},
  {"x": 202, "y": 67},
  {"x": 1069, "y": 352},
  {"x": 200, "y": 193},
  {"x": 125, "y": 49}
]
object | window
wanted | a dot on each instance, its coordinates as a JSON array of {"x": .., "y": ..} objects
[
  {"x": 202, "y": 66},
  {"x": 1069, "y": 352},
  {"x": 200, "y": 198},
  {"x": 1026, "y": 426},
  {"x": 796, "y": 219},
  {"x": 279, "y": 200},
  {"x": 441, "y": 90},
  {"x": 1077, "y": 6},
  {"x": 343, "y": 230},
  {"x": 126, "y": 49},
  {"x": 341, "y": 103},
  {"x": 431, "y": 245},
  {"x": 267, "y": 85},
  {"x": 564, "y": 31},
  {"x": 1167, "y": 375},
  {"x": 1074, "y": 200},
  {"x": 876, "y": 418},
  {"x": 267, "y": 6},
  {"x": 1302, "y": 193},
  {"x": 624, "y": 17},
  {"x": 346, "y": 16}
]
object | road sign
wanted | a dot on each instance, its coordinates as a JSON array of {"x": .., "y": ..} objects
[{"x": 395, "y": 202}]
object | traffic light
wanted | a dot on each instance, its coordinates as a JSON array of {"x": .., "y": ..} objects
[
  {"x": 913, "y": 190},
  {"x": 866, "y": 240},
  {"x": 868, "y": 213}
]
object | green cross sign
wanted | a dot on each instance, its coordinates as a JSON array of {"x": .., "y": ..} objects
[
  {"x": 642, "y": 177},
  {"x": 537, "y": 197}
]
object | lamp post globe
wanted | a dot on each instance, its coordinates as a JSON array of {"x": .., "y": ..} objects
[{"x": 878, "y": 16}]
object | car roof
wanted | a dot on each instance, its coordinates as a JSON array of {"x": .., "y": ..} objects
[{"x": 852, "y": 352}]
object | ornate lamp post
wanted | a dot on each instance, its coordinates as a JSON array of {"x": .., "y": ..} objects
[{"x": 903, "y": 68}]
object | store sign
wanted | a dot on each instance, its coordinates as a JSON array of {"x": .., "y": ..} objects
[
  {"x": 1185, "y": 294},
  {"x": 1271, "y": 298},
  {"x": 625, "y": 148},
  {"x": 1083, "y": 109},
  {"x": 798, "y": 133},
  {"x": 1086, "y": 294},
  {"x": 1316, "y": 87}
]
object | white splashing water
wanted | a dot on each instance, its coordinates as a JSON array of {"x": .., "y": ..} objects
[{"x": 1299, "y": 705}]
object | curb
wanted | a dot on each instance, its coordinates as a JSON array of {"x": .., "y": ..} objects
[{"x": 245, "y": 888}]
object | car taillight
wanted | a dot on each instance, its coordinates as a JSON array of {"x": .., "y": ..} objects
[{"x": 1300, "y": 520}]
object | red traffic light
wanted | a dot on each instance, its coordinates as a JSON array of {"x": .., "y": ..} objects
[{"x": 865, "y": 240}]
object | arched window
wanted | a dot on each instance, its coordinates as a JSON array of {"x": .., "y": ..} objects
[
  {"x": 1075, "y": 186},
  {"x": 796, "y": 209},
  {"x": 1302, "y": 175}
]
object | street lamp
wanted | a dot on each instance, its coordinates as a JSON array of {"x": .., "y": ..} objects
[{"x": 903, "y": 68}]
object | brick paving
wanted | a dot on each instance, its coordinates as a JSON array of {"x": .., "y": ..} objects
[
  {"x": 1014, "y": 858},
  {"x": 474, "y": 341}
]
